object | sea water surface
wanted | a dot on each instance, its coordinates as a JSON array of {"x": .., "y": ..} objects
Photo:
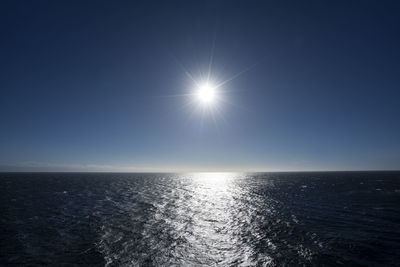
[{"x": 202, "y": 219}]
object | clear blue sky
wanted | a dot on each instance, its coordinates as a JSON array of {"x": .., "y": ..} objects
[{"x": 93, "y": 85}]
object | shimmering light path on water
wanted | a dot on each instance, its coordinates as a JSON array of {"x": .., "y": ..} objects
[{"x": 200, "y": 219}]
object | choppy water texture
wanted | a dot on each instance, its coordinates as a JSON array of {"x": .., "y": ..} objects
[{"x": 270, "y": 219}]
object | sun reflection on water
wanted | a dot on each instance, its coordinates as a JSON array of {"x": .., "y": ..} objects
[
  {"x": 211, "y": 215},
  {"x": 219, "y": 179},
  {"x": 197, "y": 219}
]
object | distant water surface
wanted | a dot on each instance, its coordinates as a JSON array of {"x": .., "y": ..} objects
[{"x": 225, "y": 219}]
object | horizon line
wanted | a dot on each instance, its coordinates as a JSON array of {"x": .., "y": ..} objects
[{"x": 211, "y": 171}]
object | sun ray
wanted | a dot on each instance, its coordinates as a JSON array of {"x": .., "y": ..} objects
[
  {"x": 185, "y": 70},
  {"x": 235, "y": 76},
  {"x": 211, "y": 57}
]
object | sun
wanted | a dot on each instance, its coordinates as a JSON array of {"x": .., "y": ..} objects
[{"x": 206, "y": 94}]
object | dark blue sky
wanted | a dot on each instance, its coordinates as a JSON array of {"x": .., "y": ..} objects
[{"x": 94, "y": 85}]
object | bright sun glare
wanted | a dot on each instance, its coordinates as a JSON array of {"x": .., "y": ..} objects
[{"x": 206, "y": 94}]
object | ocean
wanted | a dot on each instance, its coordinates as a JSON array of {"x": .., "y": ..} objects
[{"x": 200, "y": 219}]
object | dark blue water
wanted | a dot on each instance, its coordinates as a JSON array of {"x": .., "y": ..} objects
[{"x": 270, "y": 219}]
